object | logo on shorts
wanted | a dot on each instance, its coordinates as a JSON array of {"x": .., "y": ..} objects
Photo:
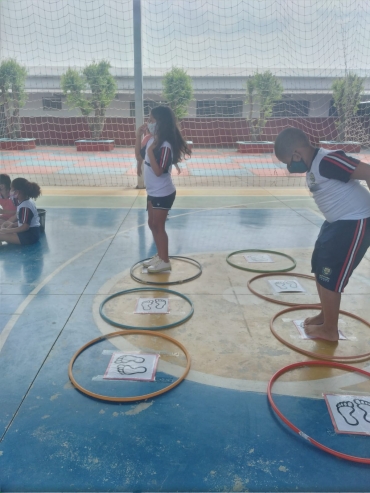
[{"x": 326, "y": 271}]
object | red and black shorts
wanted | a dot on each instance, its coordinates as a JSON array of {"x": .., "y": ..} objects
[{"x": 339, "y": 249}]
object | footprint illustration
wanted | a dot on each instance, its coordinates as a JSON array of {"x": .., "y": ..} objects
[
  {"x": 147, "y": 305},
  {"x": 346, "y": 409},
  {"x": 286, "y": 285},
  {"x": 129, "y": 358},
  {"x": 159, "y": 303},
  {"x": 130, "y": 370},
  {"x": 365, "y": 407}
]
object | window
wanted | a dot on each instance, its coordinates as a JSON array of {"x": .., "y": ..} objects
[
  {"x": 220, "y": 108},
  {"x": 52, "y": 103},
  {"x": 149, "y": 104},
  {"x": 364, "y": 109},
  {"x": 291, "y": 108},
  {"x": 332, "y": 109}
]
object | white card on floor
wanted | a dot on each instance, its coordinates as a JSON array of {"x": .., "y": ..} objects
[
  {"x": 284, "y": 286},
  {"x": 144, "y": 270},
  {"x": 300, "y": 327},
  {"x": 132, "y": 366},
  {"x": 258, "y": 257},
  {"x": 152, "y": 305},
  {"x": 349, "y": 413}
]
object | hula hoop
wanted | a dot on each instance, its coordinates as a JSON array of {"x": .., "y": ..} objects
[
  {"x": 259, "y": 270},
  {"x": 170, "y": 283},
  {"x": 134, "y": 398},
  {"x": 273, "y": 300},
  {"x": 135, "y": 290},
  {"x": 312, "y": 354},
  {"x": 293, "y": 366}
]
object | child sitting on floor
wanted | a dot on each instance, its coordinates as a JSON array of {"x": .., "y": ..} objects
[
  {"x": 344, "y": 238},
  {"x": 28, "y": 229}
]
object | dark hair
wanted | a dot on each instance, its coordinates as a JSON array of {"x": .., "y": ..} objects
[
  {"x": 167, "y": 129},
  {"x": 5, "y": 180},
  {"x": 28, "y": 188},
  {"x": 288, "y": 140}
]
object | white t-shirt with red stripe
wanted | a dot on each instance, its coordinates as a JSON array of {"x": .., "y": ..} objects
[
  {"x": 337, "y": 196},
  {"x": 159, "y": 186},
  {"x": 27, "y": 213}
]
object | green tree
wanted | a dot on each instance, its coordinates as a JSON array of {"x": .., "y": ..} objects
[
  {"x": 12, "y": 95},
  {"x": 102, "y": 88},
  {"x": 347, "y": 93},
  {"x": 263, "y": 90},
  {"x": 178, "y": 91}
]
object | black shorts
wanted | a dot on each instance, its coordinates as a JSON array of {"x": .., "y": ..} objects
[
  {"x": 339, "y": 249},
  {"x": 162, "y": 202},
  {"x": 30, "y": 236}
]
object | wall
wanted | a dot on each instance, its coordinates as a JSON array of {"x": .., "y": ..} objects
[
  {"x": 204, "y": 132},
  {"x": 120, "y": 108}
]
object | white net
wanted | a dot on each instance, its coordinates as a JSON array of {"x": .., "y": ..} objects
[{"x": 254, "y": 68}]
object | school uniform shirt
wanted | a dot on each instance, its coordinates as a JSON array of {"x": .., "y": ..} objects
[
  {"x": 27, "y": 214},
  {"x": 336, "y": 195},
  {"x": 158, "y": 186}
]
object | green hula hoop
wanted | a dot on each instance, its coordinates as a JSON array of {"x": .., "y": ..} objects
[
  {"x": 135, "y": 290},
  {"x": 259, "y": 270}
]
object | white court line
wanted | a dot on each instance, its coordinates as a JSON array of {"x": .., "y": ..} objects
[{"x": 14, "y": 318}]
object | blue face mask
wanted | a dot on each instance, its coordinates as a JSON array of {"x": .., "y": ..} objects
[{"x": 297, "y": 167}]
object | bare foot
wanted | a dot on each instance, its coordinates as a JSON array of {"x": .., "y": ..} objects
[
  {"x": 322, "y": 332},
  {"x": 316, "y": 320}
]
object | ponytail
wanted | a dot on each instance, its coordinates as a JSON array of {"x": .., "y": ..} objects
[{"x": 28, "y": 188}]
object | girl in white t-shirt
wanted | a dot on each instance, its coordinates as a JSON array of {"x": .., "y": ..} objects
[
  {"x": 28, "y": 229},
  {"x": 165, "y": 147}
]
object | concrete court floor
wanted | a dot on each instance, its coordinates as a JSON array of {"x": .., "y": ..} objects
[{"x": 216, "y": 430}]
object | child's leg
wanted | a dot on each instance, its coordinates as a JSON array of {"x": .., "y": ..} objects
[
  {"x": 159, "y": 217},
  {"x": 340, "y": 247},
  {"x": 10, "y": 238},
  {"x": 319, "y": 318},
  {"x": 328, "y": 328},
  {"x": 151, "y": 222}
]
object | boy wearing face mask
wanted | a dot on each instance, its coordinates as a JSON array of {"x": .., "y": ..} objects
[{"x": 344, "y": 238}]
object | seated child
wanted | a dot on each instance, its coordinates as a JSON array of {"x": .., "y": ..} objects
[
  {"x": 9, "y": 206},
  {"x": 344, "y": 238},
  {"x": 28, "y": 229}
]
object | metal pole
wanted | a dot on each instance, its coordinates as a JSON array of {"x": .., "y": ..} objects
[{"x": 138, "y": 75}]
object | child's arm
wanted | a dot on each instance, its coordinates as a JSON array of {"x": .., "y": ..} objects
[
  {"x": 139, "y": 160},
  {"x": 8, "y": 224},
  {"x": 139, "y": 135},
  {"x": 18, "y": 229},
  {"x": 362, "y": 172}
]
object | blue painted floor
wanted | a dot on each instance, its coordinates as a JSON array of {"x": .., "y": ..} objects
[{"x": 196, "y": 437}]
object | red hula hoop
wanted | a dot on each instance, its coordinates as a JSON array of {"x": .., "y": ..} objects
[{"x": 302, "y": 364}]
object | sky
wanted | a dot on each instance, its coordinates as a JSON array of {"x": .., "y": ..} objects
[{"x": 223, "y": 36}]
